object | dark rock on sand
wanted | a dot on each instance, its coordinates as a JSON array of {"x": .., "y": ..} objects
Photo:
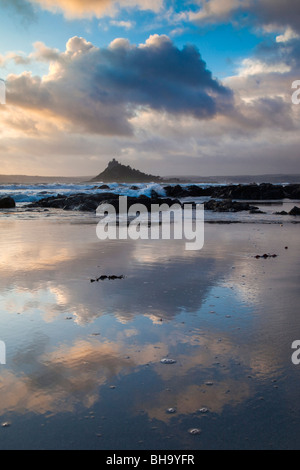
[
  {"x": 256, "y": 211},
  {"x": 295, "y": 211},
  {"x": 104, "y": 277},
  {"x": 90, "y": 202},
  {"x": 7, "y": 202},
  {"x": 144, "y": 200},
  {"x": 79, "y": 201},
  {"x": 228, "y": 206}
]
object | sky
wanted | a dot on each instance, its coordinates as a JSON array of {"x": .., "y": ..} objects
[{"x": 196, "y": 87}]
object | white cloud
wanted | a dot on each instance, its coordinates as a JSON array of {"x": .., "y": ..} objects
[
  {"x": 287, "y": 36},
  {"x": 123, "y": 24},
  {"x": 256, "y": 67},
  {"x": 95, "y": 8}
]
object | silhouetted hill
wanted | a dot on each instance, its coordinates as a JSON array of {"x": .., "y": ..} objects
[{"x": 116, "y": 172}]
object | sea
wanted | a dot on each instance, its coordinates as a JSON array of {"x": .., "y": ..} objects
[{"x": 24, "y": 194}]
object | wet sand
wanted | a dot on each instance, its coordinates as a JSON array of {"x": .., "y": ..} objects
[{"x": 83, "y": 367}]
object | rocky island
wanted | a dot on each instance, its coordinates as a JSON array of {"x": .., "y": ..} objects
[{"x": 116, "y": 172}]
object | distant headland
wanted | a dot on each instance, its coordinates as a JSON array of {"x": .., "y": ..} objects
[{"x": 119, "y": 173}]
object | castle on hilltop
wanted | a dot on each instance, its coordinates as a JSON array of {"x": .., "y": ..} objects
[{"x": 119, "y": 173}]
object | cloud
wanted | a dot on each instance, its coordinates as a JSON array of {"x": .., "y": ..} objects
[
  {"x": 265, "y": 12},
  {"x": 96, "y": 90},
  {"x": 154, "y": 105},
  {"x": 41, "y": 53},
  {"x": 255, "y": 66},
  {"x": 123, "y": 24},
  {"x": 287, "y": 36},
  {"x": 77, "y": 9},
  {"x": 277, "y": 12},
  {"x": 16, "y": 57},
  {"x": 213, "y": 11},
  {"x": 95, "y": 8}
]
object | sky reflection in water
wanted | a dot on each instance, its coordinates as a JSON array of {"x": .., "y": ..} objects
[{"x": 83, "y": 359}]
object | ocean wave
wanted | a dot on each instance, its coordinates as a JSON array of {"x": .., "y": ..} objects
[{"x": 23, "y": 193}]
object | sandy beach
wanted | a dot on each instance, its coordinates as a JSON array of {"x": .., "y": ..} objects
[
  {"x": 149, "y": 227},
  {"x": 83, "y": 359}
]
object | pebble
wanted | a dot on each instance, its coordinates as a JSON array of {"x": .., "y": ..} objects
[
  {"x": 203, "y": 410},
  {"x": 171, "y": 410},
  {"x": 166, "y": 360},
  {"x": 6, "y": 424},
  {"x": 194, "y": 431}
]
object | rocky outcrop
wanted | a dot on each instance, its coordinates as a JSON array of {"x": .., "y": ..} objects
[
  {"x": 295, "y": 211},
  {"x": 222, "y": 198},
  {"x": 188, "y": 191},
  {"x": 90, "y": 202},
  {"x": 228, "y": 206},
  {"x": 254, "y": 192},
  {"x": 116, "y": 172},
  {"x": 7, "y": 202}
]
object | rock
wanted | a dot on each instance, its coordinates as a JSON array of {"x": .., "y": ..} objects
[
  {"x": 256, "y": 211},
  {"x": 271, "y": 191},
  {"x": 295, "y": 211},
  {"x": 7, "y": 202},
  {"x": 176, "y": 191},
  {"x": 104, "y": 277},
  {"x": 171, "y": 410},
  {"x": 189, "y": 191},
  {"x": 194, "y": 431},
  {"x": 252, "y": 192},
  {"x": 203, "y": 410},
  {"x": 228, "y": 206},
  {"x": 265, "y": 256},
  {"x": 117, "y": 172},
  {"x": 292, "y": 191},
  {"x": 90, "y": 202},
  {"x": 197, "y": 191},
  {"x": 144, "y": 200},
  {"x": 166, "y": 360}
]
